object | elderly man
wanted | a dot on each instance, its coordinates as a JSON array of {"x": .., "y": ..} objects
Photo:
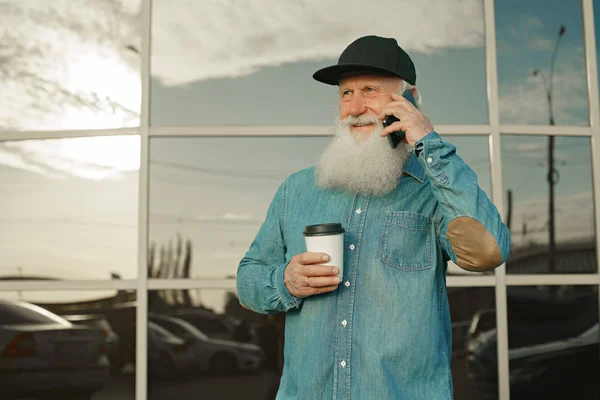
[{"x": 383, "y": 332}]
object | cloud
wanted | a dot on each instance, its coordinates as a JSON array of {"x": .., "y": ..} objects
[
  {"x": 525, "y": 147},
  {"x": 69, "y": 65},
  {"x": 574, "y": 218},
  {"x": 94, "y": 158},
  {"x": 222, "y": 39},
  {"x": 524, "y": 101},
  {"x": 537, "y": 42}
]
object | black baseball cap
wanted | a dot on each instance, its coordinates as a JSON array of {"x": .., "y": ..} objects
[{"x": 370, "y": 54}]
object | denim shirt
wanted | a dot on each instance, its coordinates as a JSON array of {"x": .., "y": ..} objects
[{"x": 385, "y": 332}]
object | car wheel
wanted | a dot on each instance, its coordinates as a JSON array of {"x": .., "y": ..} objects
[{"x": 223, "y": 363}]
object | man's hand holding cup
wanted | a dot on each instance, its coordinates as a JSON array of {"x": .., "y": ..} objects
[{"x": 305, "y": 275}]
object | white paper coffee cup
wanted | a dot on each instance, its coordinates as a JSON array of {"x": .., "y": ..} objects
[{"x": 328, "y": 239}]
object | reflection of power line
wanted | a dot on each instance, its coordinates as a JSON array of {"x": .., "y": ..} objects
[
  {"x": 170, "y": 219},
  {"x": 233, "y": 174},
  {"x": 66, "y": 221}
]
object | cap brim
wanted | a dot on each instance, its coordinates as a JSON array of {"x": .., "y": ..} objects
[{"x": 331, "y": 75}]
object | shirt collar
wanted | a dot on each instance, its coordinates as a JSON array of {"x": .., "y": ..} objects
[{"x": 414, "y": 169}]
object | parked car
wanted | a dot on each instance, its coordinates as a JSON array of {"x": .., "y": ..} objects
[
  {"x": 98, "y": 321},
  {"x": 482, "y": 321},
  {"x": 167, "y": 353},
  {"x": 42, "y": 354},
  {"x": 565, "y": 368},
  {"x": 213, "y": 325},
  {"x": 219, "y": 356}
]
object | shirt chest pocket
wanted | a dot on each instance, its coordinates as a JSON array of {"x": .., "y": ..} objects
[{"x": 406, "y": 243}]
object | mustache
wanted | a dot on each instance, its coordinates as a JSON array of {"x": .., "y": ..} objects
[{"x": 360, "y": 120}]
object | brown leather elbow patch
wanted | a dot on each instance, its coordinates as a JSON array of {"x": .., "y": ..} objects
[{"x": 476, "y": 249}]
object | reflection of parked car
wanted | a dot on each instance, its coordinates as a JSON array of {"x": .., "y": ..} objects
[
  {"x": 98, "y": 321},
  {"x": 211, "y": 324},
  {"x": 43, "y": 354},
  {"x": 564, "y": 368},
  {"x": 212, "y": 354},
  {"x": 459, "y": 336},
  {"x": 568, "y": 368},
  {"x": 167, "y": 353},
  {"x": 482, "y": 321}
]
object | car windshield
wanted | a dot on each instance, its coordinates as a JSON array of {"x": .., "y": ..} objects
[
  {"x": 23, "y": 313},
  {"x": 181, "y": 327}
]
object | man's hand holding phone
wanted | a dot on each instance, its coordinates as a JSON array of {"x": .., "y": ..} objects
[{"x": 411, "y": 121}]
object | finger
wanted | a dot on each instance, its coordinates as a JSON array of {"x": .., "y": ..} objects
[
  {"x": 402, "y": 100},
  {"x": 309, "y": 291},
  {"x": 396, "y": 126},
  {"x": 322, "y": 281},
  {"x": 318, "y": 270},
  {"x": 308, "y": 258},
  {"x": 326, "y": 289}
]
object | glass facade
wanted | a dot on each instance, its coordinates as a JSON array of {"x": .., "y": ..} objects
[{"x": 136, "y": 261}]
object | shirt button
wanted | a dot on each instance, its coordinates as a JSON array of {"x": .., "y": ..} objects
[
  {"x": 429, "y": 160},
  {"x": 343, "y": 364},
  {"x": 358, "y": 211},
  {"x": 347, "y": 283},
  {"x": 344, "y": 323},
  {"x": 352, "y": 247}
]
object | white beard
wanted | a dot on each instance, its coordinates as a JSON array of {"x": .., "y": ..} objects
[{"x": 369, "y": 166}]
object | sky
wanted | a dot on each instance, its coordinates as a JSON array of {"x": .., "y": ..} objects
[{"x": 70, "y": 206}]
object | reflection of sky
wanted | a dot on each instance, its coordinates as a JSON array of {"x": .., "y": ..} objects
[
  {"x": 526, "y": 33},
  {"x": 69, "y": 207},
  {"x": 68, "y": 65},
  {"x": 262, "y": 70},
  {"x": 196, "y": 191},
  {"x": 524, "y": 162}
]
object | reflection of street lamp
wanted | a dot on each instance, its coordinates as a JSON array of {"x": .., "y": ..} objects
[{"x": 552, "y": 176}]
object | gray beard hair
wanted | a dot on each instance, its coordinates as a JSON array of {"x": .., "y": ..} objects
[{"x": 369, "y": 166}]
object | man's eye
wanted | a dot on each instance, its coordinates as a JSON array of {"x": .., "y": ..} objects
[
  {"x": 369, "y": 89},
  {"x": 347, "y": 93}
]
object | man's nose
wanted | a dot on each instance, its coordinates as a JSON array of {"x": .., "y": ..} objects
[{"x": 357, "y": 106}]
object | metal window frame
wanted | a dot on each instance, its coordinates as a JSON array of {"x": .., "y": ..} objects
[{"x": 494, "y": 130}]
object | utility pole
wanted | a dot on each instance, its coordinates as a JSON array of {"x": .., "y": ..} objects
[{"x": 552, "y": 175}]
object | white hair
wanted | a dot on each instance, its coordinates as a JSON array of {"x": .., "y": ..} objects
[{"x": 406, "y": 86}]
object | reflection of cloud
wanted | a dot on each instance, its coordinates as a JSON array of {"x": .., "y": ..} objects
[
  {"x": 540, "y": 43},
  {"x": 94, "y": 158},
  {"x": 215, "y": 39},
  {"x": 525, "y": 147},
  {"x": 66, "y": 65},
  {"x": 525, "y": 31},
  {"x": 525, "y": 101},
  {"x": 574, "y": 219}
]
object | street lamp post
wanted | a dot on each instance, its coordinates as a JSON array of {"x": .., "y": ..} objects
[{"x": 552, "y": 174}]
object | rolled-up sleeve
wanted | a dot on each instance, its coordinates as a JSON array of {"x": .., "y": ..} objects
[
  {"x": 260, "y": 273},
  {"x": 470, "y": 228}
]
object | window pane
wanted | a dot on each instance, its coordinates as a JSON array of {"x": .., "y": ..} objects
[
  {"x": 70, "y": 65},
  {"x": 528, "y": 33},
  {"x": 209, "y": 196},
  {"x": 83, "y": 341},
  {"x": 525, "y": 171},
  {"x": 180, "y": 346},
  {"x": 474, "y": 365},
  {"x": 206, "y": 209},
  {"x": 553, "y": 342},
  {"x": 474, "y": 150},
  {"x": 260, "y": 73},
  {"x": 69, "y": 208}
]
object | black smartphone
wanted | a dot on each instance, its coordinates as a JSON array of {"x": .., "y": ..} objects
[{"x": 396, "y": 137}]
